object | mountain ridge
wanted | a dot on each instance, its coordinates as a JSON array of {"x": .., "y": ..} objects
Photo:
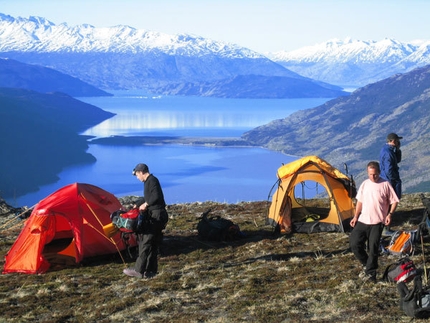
[
  {"x": 340, "y": 63},
  {"x": 39, "y": 135},
  {"x": 355, "y": 62},
  {"x": 353, "y": 129},
  {"x": 122, "y": 57},
  {"x": 14, "y": 74}
]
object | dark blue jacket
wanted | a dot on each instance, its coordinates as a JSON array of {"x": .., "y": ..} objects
[{"x": 389, "y": 158}]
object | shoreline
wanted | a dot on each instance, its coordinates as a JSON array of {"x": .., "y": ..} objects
[{"x": 169, "y": 140}]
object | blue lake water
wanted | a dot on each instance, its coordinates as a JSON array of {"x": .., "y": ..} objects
[{"x": 187, "y": 173}]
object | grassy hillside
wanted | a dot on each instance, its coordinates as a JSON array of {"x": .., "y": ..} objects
[{"x": 260, "y": 278}]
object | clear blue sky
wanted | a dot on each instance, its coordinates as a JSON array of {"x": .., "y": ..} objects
[{"x": 261, "y": 25}]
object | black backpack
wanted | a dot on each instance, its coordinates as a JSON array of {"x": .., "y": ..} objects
[
  {"x": 401, "y": 271},
  {"x": 216, "y": 228},
  {"x": 415, "y": 302}
]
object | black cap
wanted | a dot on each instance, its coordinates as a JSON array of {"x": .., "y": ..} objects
[
  {"x": 393, "y": 136},
  {"x": 141, "y": 168}
]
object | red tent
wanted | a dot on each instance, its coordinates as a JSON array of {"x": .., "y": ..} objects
[{"x": 65, "y": 227}]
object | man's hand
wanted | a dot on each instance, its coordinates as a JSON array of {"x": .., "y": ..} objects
[
  {"x": 143, "y": 207},
  {"x": 387, "y": 219}
]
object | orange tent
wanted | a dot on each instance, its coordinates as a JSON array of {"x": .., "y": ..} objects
[
  {"x": 288, "y": 214},
  {"x": 64, "y": 228}
]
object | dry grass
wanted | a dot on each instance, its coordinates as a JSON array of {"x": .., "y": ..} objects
[{"x": 260, "y": 278}]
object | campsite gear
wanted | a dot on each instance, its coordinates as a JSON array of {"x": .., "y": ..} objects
[
  {"x": 64, "y": 228},
  {"x": 425, "y": 222},
  {"x": 110, "y": 230},
  {"x": 424, "y": 229},
  {"x": 216, "y": 228},
  {"x": 416, "y": 302},
  {"x": 287, "y": 214},
  {"x": 387, "y": 232},
  {"x": 402, "y": 243},
  {"x": 131, "y": 221},
  {"x": 424, "y": 260},
  {"x": 403, "y": 270}
]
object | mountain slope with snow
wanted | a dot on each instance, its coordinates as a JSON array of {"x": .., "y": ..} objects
[
  {"x": 41, "y": 35},
  {"x": 355, "y": 62},
  {"x": 122, "y": 57}
]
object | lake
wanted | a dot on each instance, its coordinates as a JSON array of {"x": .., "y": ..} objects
[{"x": 187, "y": 173}]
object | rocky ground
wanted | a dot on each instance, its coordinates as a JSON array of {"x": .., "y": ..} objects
[{"x": 261, "y": 277}]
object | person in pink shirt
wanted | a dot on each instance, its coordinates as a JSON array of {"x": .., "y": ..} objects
[{"x": 376, "y": 203}]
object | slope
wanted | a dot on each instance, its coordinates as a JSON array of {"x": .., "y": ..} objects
[
  {"x": 352, "y": 129},
  {"x": 38, "y": 136},
  {"x": 15, "y": 74}
]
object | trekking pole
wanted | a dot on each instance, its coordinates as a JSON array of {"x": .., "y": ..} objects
[
  {"x": 351, "y": 182},
  {"x": 424, "y": 260}
]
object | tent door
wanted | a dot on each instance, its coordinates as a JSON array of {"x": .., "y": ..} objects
[{"x": 61, "y": 250}]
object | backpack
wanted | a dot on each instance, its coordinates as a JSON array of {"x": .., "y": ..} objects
[
  {"x": 415, "y": 302},
  {"x": 402, "y": 243},
  {"x": 216, "y": 228},
  {"x": 402, "y": 271},
  {"x": 131, "y": 221}
]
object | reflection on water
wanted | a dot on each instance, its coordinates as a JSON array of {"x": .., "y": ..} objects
[
  {"x": 143, "y": 114},
  {"x": 135, "y": 121}
]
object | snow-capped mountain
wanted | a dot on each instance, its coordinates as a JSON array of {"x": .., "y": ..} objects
[
  {"x": 41, "y": 35},
  {"x": 355, "y": 62},
  {"x": 122, "y": 57}
]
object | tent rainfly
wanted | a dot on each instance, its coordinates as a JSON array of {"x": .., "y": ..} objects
[
  {"x": 64, "y": 228},
  {"x": 286, "y": 214}
]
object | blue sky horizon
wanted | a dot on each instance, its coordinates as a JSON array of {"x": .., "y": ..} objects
[{"x": 260, "y": 25}]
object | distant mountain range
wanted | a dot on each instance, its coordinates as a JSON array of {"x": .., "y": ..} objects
[
  {"x": 122, "y": 57},
  {"x": 353, "y": 129},
  {"x": 355, "y": 62}
]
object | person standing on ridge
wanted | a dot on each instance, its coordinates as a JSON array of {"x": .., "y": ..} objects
[
  {"x": 389, "y": 158},
  {"x": 376, "y": 202},
  {"x": 153, "y": 203}
]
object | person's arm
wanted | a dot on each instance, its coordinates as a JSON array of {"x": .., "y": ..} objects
[
  {"x": 391, "y": 167},
  {"x": 153, "y": 193},
  {"x": 139, "y": 202},
  {"x": 398, "y": 155},
  {"x": 393, "y": 208},
  {"x": 358, "y": 209}
]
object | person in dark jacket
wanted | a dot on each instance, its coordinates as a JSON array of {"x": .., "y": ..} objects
[
  {"x": 389, "y": 159},
  {"x": 153, "y": 205}
]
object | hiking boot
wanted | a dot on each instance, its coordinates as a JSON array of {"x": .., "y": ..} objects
[
  {"x": 368, "y": 278},
  {"x": 149, "y": 274},
  {"x": 132, "y": 273},
  {"x": 362, "y": 273}
]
